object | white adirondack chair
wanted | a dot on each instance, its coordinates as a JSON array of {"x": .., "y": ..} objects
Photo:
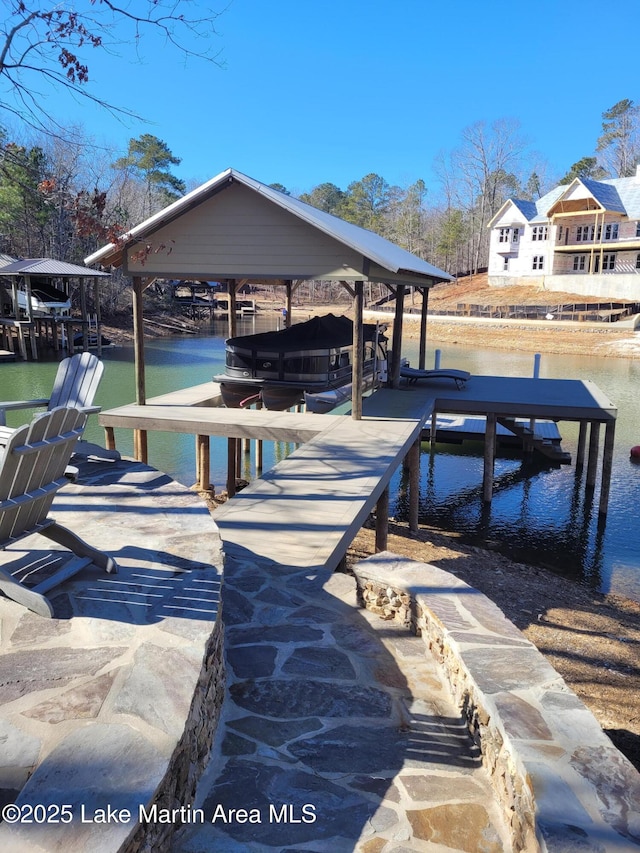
[
  {"x": 32, "y": 469},
  {"x": 75, "y": 385}
]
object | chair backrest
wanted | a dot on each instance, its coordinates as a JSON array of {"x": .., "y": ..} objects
[
  {"x": 76, "y": 381},
  {"x": 32, "y": 469}
]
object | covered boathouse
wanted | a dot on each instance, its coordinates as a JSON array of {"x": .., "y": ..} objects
[{"x": 238, "y": 230}]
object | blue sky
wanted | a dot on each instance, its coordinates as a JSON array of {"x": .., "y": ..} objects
[{"x": 332, "y": 90}]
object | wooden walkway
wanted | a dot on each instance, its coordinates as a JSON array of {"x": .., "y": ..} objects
[{"x": 306, "y": 511}]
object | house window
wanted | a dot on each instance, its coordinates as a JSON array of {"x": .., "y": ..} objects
[
  {"x": 638, "y": 262},
  {"x": 637, "y": 229},
  {"x": 609, "y": 261},
  {"x": 579, "y": 262},
  {"x": 585, "y": 233},
  {"x": 505, "y": 265},
  {"x": 539, "y": 232},
  {"x": 538, "y": 262},
  {"x": 559, "y": 238},
  {"x": 508, "y": 235},
  {"x": 611, "y": 231}
]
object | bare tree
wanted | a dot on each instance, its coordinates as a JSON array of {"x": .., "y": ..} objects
[
  {"x": 482, "y": 173},
  {"x": 45, "y": 47},
  {"x": 619, "y": 144}
]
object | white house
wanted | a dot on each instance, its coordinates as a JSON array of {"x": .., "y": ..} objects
[{"x": 582, "y": 237}]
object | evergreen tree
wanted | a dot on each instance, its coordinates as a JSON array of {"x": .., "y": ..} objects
[
  {"x": 149, "y": 159},
  {"x": 24, "y": 213},
  {"x": 586, "y": 167},
  {"x": 366, "y": 203},
  {"x": 327, "y": 197}
]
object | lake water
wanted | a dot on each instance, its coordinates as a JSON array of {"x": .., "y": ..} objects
[{"x": 539, "y": 514}]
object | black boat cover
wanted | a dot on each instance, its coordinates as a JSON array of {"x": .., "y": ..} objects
[{"x": 317, "y": 333}]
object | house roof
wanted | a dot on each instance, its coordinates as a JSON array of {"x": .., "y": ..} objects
[
  {"x": 46, "y": 267},
  {"x": 618, "y": 195},
  {"x": 371, "y": 246}
]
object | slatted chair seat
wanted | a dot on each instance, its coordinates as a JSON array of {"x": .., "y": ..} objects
[
  {"x": 75, "y": 385},
  {"x": 32, "y": 470}
]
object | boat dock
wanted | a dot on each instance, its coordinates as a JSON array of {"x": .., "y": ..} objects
[{"x": 393, "y": 419}]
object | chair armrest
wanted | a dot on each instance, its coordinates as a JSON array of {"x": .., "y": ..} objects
[
  {"x": 91, "y": 410},
  {"x": 22, "y": 404},
  {"x": 10, "y": 405}
]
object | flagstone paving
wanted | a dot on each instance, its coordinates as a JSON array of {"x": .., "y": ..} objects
[{"x": 338, "y": 733}]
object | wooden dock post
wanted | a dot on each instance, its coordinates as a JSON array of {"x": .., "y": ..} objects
[
  {"x": 489, "y": 457},
  {"x": 382, "y": 521},
  {"x": 231, "y": 467},
  {"x": 607, "y": 466},
  {"x": 582, "y": 444},
  {"x": 358, "y": 352},
  {"x": 422, "y": 357},
  {"x": 592, "y": 461},
  {"x": 203, "y": 462},
  {"x": 414, "y": 485}
]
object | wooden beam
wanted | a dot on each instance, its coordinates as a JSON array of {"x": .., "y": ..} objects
[
  {"x": 592, "y": 461},
  {"x": 233, "y": 320},
  {"x": 489, "y": 457},
  {"x": 287, "y": 319},
  {"x": 414, "y": 486},
  {"x": 348, "y": 288},
  {"x": 607, "y": 466},
  {"x": 231, "y": 467},
  {"x": 358, "y": 352},
  {"x": 422, "y": 358},
  {"x": 382, "y": 521},
  {"x": 138, "y": 339},
  {"x": 582, "y": 443},
  {"x": 396, "y": 351}
]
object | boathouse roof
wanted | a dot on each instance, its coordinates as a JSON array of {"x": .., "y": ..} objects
[
  {"x": 236, "y": 227},
  {"x": 46, "y": 267}
]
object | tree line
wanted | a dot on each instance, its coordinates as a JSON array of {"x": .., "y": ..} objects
[{"x": 62, "y": 197}]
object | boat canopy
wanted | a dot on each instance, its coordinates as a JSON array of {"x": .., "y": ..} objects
[{"x": 326, "y": 332}]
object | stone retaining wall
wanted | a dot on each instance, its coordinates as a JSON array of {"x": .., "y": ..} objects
[
  {"x": 177, "y": 790},
  {"x": 562, "y": 784}
]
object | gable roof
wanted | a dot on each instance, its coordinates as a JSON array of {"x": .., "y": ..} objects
[
  {"x": 372, "y": 247},
  {"x": 618, "y": 195}
]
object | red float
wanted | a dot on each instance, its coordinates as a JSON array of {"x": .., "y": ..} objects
[{"x": 635, "y": 452}]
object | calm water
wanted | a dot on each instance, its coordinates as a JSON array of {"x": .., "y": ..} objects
[{"x": 538, "y": 514}]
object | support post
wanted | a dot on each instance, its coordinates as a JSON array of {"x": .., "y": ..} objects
[
  {"x": 84, "y": 315},
  {"x": 397, "y": 337},
  {"x": 414, "y": 486},
  {"x": 592, "y": 461},
  {"x": 231, "y": 467},
  {"x": 233, "y": 319},
  {"x": 489, "y": 457},
  {"x": 358, "y": 352},
  {"x": 607, "y": 466},
  {"x": 582, "y": 444},
  {"x": 422, "y": 358},
  {"x": 382, "y": 521},
  {"x": 289, "y": 289},
  {"x": 203, "y": 458},
  {"x": 138, "y": 333},
  {"x": 109, "y": 438}
]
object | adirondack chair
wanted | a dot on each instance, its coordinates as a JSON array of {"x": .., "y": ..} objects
[
  {"x": 75, "y": 385},
  {"x": 32, "y": 467}
]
